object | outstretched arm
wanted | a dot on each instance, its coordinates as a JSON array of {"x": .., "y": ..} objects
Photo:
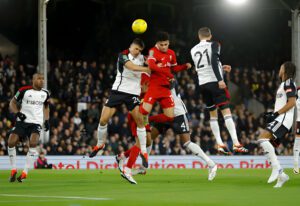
[
  {"x": 154, "y": 67},
  {"x": 181, "y": 67},
  {"x": 131, "y": 66}
]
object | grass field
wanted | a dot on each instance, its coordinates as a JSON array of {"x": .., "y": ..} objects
[{"x": 158, "y": 187}]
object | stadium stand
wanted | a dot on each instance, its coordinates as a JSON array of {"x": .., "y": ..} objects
[{"x": 80, "y": 88}]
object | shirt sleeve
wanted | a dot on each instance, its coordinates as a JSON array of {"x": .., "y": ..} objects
[
  {"x": 47, "y": 100},
  {"x": 173, "y": 60},
  {"x": 20, "y": 94},
  {"x": 215, "y": 59},
  {"x": 290, "y": 89},
  {"x": 123, "y": 58},
  {"x": 151, "y": 55}
]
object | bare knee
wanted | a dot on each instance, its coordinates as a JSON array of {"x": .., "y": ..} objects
[
  {"x": 185, "y": 138},
  {"x": 34, "y": 140},
  {"x": 265, "y": 135},
  {"x": 11, "y": 144},
  {"x": 140, "y": 121},
  {"x": 226, "y": 111},
  {"x": 103, "y": 122},
  {"x": 32, "y": 144},
  {"x": 213, "y": 113},
  {"x": 12, "y": 140}
]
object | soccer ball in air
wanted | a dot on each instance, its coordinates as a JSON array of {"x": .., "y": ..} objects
[{"x": 139, "y": 26}]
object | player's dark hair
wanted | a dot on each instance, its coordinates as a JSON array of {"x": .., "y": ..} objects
[
  {"x": 162, "y": 36},
  {"x": 139, "y": 42},
  {"x": 204, "y": 32},
  {"x": 289, "y": 69},
  {"x": 37, "y": 74}
]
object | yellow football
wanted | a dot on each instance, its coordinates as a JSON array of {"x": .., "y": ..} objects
[{"x": 139, "y": 26}]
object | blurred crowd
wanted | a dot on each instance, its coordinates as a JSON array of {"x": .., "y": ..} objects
[{"x": 79, "y": 90}]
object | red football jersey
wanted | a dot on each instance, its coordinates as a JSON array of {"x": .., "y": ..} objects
[
  {"x": 145, "y": 79},
  {"x": 160, "y": 64}
]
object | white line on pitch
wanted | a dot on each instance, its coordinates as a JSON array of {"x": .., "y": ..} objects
[{"x": 57, "y": 197}]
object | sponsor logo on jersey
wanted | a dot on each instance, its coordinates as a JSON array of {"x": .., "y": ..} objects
[{"x": 34, "y": 102}]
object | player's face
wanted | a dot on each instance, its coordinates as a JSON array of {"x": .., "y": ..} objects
[
  {"x": 281, "y": 72},
  {"x": 163, "y": 46},
  {"x": 135, "y": 50},
  {"x": 38, "y": 81}
]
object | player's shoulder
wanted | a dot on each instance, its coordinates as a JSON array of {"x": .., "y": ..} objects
[
  {"x": 215, "y": 43},
  {"x": 289, "y": 82},
  {"x": 123, "y": 56},
  {"x": 21, "y": 92},
  {"x": 171, "y": 51},
  {"x": 195, "y": 47},
  {"x": 153, "y": 50},
  {"x": 25, "y": 88},
  {"x": 141, "y": 56},
  {"x": 125, "y": 52},
  {"x": 46, "y": 91}
]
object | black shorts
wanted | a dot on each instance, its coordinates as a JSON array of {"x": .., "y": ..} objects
[
  {"x": 298, "y": 128},
  {"x": 24, "y": 130},
  {"x": 277, "y": 129},
  {"x": 117, "y": 98},
  {"x": 214, "y": 97},
  {"x": 180, "y": 125}
]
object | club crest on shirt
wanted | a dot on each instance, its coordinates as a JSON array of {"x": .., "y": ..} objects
[{"x": 151, "y": 52}]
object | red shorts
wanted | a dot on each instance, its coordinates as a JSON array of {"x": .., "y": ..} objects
[
  {"x": 132, "y": 125},
  {"x": 161, "y": 94}
]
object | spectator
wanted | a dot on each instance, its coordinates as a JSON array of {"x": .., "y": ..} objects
[{"x": 42, "y": 163}]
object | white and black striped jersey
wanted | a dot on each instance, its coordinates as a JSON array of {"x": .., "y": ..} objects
[
  {"x": 286, "y": 90},
  {"x": 179, "y": 108},
  {"x": 206, "y": 57},
  {"x": 128, "y": 81},
  {"x": 32, "y": 103},
  {"x": 298, "y": 105}
]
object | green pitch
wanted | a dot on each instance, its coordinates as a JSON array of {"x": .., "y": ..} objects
[{"x": 158, "y": 187}]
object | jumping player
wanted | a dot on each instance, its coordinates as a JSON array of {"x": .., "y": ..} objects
[
  {"x": 126, "y": 89},
  {"x": 181, "y": 127},
  {"x": 206, "y": 57},
  {"x": 162, "y": 61},
  {"x": 134, "y": 151}
]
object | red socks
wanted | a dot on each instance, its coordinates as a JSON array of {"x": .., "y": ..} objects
[
  {"x": 127, "y": 152},
  {"x": 133, "y": 154}
]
